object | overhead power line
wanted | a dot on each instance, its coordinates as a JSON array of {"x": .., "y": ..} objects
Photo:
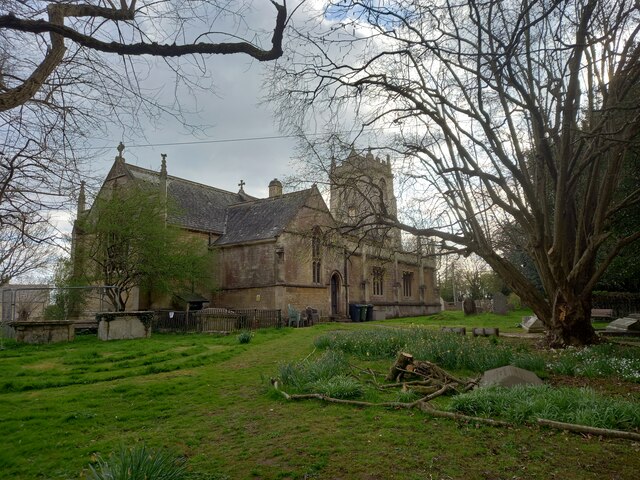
[
  {"x": 226, "y": 140},
  {"x": 221, "y": 140}
]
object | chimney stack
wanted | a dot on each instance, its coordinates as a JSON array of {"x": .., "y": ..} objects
[{"x": 275, "y": 188}]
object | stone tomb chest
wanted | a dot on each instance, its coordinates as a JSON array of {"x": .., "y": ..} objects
[
  {"x": 43, "y": 332},
  {"x": 124, "y": 325}
]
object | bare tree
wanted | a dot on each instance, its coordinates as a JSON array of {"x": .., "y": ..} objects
[
  {"x": 25, "y": 233},
  {"x": 68, "y": 69},
  {"x": 132, "y": 28},
  {"x": 520, "y": 111},
  {"x": 22, "y": 249}
]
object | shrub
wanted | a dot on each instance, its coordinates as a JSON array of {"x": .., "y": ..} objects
[
  {"x": 514, "y": 301},
  {"x": 302, "y": 375},
  {"x": 339, "y": 386},
  {"x": 245, "y": 336},
  {"x": 446, "y": 349},
  {"x": 138, "y": 463},
  {"x": 407, "y": 396},
  {"x": 531, "y": 362},
  {"x": 523, "y": 404},
  {"x": 373, "y": 344}
]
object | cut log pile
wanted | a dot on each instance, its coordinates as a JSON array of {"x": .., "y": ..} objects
[
  {"x": 431, "y": 381},
  {"x": 406, "y": 367}
]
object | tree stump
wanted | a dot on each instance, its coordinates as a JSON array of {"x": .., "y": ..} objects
[{"x": 402, "y": 362}]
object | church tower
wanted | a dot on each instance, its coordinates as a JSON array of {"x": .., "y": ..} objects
[{"x": 361, "y": 190}]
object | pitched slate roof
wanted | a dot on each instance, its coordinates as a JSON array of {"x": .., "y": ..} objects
[
  {"x": 197, "y": 206},
  {"x": 261, "y": 219}
]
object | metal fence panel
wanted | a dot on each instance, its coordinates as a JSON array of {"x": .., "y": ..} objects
[{"x": 220, "y": 321}]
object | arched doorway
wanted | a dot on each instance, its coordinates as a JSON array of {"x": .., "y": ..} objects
[{"x": 335, "y": 293}]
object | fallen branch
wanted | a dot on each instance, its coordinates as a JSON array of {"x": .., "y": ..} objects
[
  {"x": 424, "y": 406},
  {"x": 366, "y": 370},
  {"x": 428, "y": 409},
  {"x": 445, "y": 388},
  {"x": 423, "y": 390},
  {"x": 572, "y": 427},
  {"x": 471, "y": 384},
  {"x": 402, "y": 384},
  {"x": 325, "y": 398},
  {"x": 430, "y": 370}
]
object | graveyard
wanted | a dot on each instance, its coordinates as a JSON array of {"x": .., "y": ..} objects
[{"x": 210, "y": 402}]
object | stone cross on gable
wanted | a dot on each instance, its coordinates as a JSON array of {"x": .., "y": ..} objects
[
  {"x": 241, "y": 184},
  {"x": 163, "y": 165},
  {"x": 119, "y": 157}
]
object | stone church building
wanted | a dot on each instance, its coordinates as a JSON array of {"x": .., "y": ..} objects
[{"x": 290, "y": 248}]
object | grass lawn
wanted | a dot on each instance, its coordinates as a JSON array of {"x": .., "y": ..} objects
[
  {"x": 506, "y": 323},
  {"x": 207, "y": 398}
]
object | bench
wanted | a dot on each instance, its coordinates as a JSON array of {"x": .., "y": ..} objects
[
  {"x": 313, "y": 316},
  {"x": 606, "y": 313}
]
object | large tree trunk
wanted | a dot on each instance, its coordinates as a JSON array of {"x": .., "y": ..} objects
[{"x": 570, "y": 324}]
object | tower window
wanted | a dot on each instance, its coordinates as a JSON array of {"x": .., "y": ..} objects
[{"x": 383, "y": 190}]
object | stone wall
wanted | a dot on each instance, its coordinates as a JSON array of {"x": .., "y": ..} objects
[{"x": 246, "y": 266}]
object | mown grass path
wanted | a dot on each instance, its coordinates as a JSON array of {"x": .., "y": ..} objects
[{"x": 207, "y": 398}]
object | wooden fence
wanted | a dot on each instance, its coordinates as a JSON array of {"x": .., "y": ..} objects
[{"x": 220, "y": 321}]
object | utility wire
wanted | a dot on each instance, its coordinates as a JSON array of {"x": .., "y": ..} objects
[{"x": 223, "y": 140}]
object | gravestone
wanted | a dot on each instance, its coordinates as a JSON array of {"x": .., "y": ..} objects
[
  {"x": 486, "y": 332},
  {"x": 469, "y": 306},
  {"x": 458, "y": 330},
  {"x": 508, "y": 376},
  {"x": 499, "y": 303},
  {"x": 625, "y": 324},
  {"x": 532, "y": 324}
]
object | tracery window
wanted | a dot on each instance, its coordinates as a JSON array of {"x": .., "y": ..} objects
[
  {"x": 378, "y": 281},
  {"x": 316, "y": 255},
  {"x": 407, "y": 283}
]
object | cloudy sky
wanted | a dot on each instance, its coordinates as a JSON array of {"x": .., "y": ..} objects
[
  {"x": 223, "y": 153},
  {"x": 232, "y": 118},
  {"x": 240, "y": 139}
]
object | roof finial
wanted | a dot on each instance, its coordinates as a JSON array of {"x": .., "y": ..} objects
[
  {"x": 163, "y": 166},
  {"x": 369, "y": 153},
  {"x": 120, "y": 149},
  {"x": 82, "y": 199},
  {"x": 241, "y": 185}
]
